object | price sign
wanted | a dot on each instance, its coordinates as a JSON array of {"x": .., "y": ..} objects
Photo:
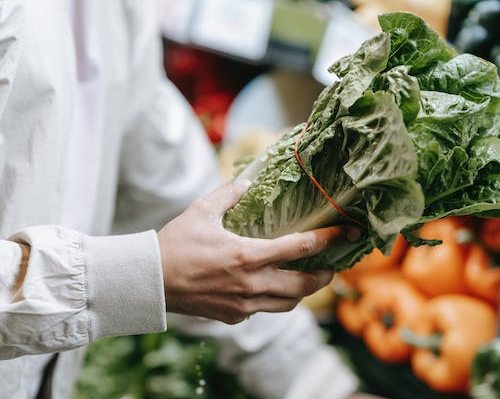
[
  {"x": 344, "y": 34},
  {"x": 237, "y": 27}
]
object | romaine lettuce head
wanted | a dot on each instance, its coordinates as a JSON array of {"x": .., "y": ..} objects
[{"x": 409, "y": 133}]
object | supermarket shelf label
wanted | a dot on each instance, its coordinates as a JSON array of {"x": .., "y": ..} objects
[
  {"x": 240, "y": 28},
  {"x": 175, "y": 19},
  {"x": 344, "y": 34}
]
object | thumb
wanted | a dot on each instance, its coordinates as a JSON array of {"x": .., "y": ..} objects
[
  {"x": 226, "y": 196},
  {"x": 300, "y": 245}
]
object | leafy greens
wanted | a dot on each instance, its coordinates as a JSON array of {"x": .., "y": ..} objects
[{"x": 409, "y": 133}]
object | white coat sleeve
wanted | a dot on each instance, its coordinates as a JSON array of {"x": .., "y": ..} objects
[
  {"x": 10, "y": 23},
  {"x": 74, "y": 288},
  {"x": 77, "y": 288},
  {"x": 166, "y": 159}
]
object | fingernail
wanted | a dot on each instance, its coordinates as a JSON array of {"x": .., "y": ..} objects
[{"x": 353, "y": 234}]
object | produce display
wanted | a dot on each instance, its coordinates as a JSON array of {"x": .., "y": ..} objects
[
  {"x": 406, "y": 146},
  {"x": 155, "y": 366},
  {"x": 421, "y": 308},
  {"x": 446, "y": 321},
  {"x": 385, "y": 313},
  {"x": 408, "y": 134},
  {"x": 443, "y": 264}
]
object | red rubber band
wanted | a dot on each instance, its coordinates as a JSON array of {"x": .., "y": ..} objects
[{"x": 317, "y": 183}]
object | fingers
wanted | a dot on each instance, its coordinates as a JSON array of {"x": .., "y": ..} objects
[
  {"x": 231, "y": 309},
  {"x": 269, "y": 304},
  {"x": 275, "y": 282},
  {"x": 225, "y": 197},
  {"x": 300, "y": 245},
  {"x": 241, "y": 308}
]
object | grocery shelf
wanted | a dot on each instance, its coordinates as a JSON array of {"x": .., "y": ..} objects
[{"x": 285, "y": 33}]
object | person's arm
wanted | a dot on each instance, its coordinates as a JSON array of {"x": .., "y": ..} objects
[
  {"x": 60, "y": 289},
  {"x": 75, "y": 288}
]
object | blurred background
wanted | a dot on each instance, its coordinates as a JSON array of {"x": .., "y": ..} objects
[{"x": 251, "y": 69}]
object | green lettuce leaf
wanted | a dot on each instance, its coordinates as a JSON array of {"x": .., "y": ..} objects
[
  {"x": 408, "y": 134},
  {"x": 413, "y": 42},
  {"x": 355, "y": 160},
  {"x": 404, "y": 88},
  {"x": 481, "y": 198},
  {"x": 466, "y": 75},
  {"x": 472, "y": 78},
  {"x": 442, "y": 133}
]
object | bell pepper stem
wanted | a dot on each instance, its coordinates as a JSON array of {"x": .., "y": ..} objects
[
  {"x": 430, "y": 342},
  {"x": 388, "y": 320}
]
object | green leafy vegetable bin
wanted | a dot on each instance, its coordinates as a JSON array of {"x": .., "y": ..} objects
[
  {"x": 486, "y": 372},
  {"x": 155, "y": 366},
  {"x": 409, "y": 133}
]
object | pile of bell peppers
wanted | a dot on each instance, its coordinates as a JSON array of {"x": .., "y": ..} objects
[{"x": 432, "y": 307}]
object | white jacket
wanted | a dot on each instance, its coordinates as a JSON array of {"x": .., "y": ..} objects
[{"x": 148, "y": 161}]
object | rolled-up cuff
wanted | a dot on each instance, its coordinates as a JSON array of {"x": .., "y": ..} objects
[{"x": 124, "y": 284}]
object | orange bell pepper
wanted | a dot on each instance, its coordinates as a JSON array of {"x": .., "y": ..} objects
[
  {"x": 376, "y": 262},
  {"x": 348, "y": 312},
  {"x": 387, "y": 310},
  {"x": 481, "y": 277},
  {"x": 451, "y": 330},
  {"x": 490, "y": 234},
  {"x": 438, "y": 270},
  {"x": 349, "y": 316}
]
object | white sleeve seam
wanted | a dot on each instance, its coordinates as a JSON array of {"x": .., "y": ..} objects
[{"x": 86, "y": 289}]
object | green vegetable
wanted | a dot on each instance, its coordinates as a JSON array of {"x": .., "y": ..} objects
[
  {"x": 413, "y": 42},
  {"x": 154, "y": 366},
  {"x": 486, "y": 372},
  {"x": 409, "y": 133}
]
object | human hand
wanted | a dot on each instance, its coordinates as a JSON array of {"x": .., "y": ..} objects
[{"x": 213, "y": 273}]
